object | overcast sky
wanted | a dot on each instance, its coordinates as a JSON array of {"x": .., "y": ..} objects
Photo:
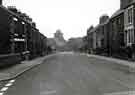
[{"x": 73, "y": 17}]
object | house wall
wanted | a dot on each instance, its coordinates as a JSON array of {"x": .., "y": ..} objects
[
  {"x": 129, "y": 25},
  {"x": 117, "y": 32}
]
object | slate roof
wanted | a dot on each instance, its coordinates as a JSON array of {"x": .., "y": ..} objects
[
  {"x": 118, "y": 12},
  {"x": 5, "y": 12}
]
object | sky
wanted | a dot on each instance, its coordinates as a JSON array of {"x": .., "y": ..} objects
[{"x": 72, "y": 17}]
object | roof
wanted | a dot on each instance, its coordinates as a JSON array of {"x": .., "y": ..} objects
[
  {"x": 107, "y": 21},
  {"x": 132, "y": 2},
  {"x": 118, "y": 12},
  {"x": 5, "y": 12},
  {"x": 95, "y": 28}
]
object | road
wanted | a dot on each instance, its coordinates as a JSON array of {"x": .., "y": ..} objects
[{"x": 73, "y": 74}]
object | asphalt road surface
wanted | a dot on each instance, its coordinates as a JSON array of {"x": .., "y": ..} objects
[{"x": 73, "y": 74}]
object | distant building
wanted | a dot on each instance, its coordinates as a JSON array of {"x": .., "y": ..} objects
[
  {"x": 75, "y": 44},
  {"x": 89, "y": 38},
  {"x": 59, "y": 39},
  {"x": 51, "y": 42},
  {"x": 97, "y": 36},
  {"x": 103, "y": 19},
  {"x": 59, "y": 35},
  {"x": 117, "y": 31},
  {"x": 57, "y": 42}
]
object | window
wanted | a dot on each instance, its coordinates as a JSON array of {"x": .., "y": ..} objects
[
  {"x": 113, "y": 26},
  {"x": 119, "y": 21},
  {"x": 130, "y": 36},
  {"x": 125, "y": 37},
  {"x": 134, "y": 36},
  {"x": 130, "y": 15}
]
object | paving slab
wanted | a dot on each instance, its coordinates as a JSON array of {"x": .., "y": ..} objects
[
  {"x": 14, "y": 71},
  {"x": 73, "y": 74},
  {"x": 127, "y": 65}
]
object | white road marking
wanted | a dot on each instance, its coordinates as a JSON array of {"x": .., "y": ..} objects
[
  {"x": 11, "y": 81},
  {"x": 4, "y": 89},
  {"x": 121, "y": 93},
  {"x": 1, "y": 93},
  {"x": 9, "y": 84}
]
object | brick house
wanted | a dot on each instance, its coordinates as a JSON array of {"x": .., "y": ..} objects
[
  {"x": 104, "y": 29},
  {"x": 129, "y": 27},
  {"x": 97, "y": 36},
  {"x": 89, "y": 39},
  {"x": 94, "y": 39},
  {"x": 115, "y": 35},
  {"x": 116, "y": 32}
]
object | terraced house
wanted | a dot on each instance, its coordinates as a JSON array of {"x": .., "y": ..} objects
[
  {"x": 129, "y": 24},
  {"x": 115, "y": 36},
  {"x": 97, "y": 36}
]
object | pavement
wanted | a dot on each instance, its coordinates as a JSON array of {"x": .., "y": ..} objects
[
  {"x": 14, "y": 71},
  {"x": 123, "y": 64},
  {"x": 72, "y": 74}
]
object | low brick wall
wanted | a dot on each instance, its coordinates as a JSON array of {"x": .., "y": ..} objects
[{"x": 9, "y": 59}]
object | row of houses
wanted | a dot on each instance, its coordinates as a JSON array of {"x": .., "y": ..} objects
[
  {"x": 19, "y": 37},
  {"x": 115, "y": 35}
]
